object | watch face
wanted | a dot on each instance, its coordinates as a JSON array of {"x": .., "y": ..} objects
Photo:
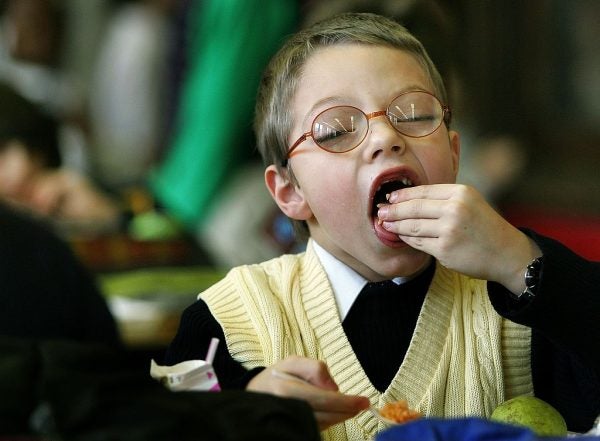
[{"x": 532, "y": 276}]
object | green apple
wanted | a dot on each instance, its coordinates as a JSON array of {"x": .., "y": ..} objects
[{"x": 533, "y": 413}]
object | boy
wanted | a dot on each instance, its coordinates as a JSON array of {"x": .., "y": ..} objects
[{"x": 352, "y": 122}]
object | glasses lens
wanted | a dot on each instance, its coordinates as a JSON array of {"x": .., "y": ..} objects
[
  {"x": 339, "y": 129},
  {"x": 416, "y": 114}
]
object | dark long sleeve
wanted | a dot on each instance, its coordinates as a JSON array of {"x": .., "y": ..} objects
[
  {"x": 565, "y": 333},
  {"x": 191, "y": 342}
]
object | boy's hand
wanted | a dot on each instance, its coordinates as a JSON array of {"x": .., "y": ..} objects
[
  {"x": 309, "y": 380},
  {"x": 458, "y": 227}
]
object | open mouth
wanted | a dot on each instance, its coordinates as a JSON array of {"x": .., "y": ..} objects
[
  {"x": 383, "y": 185},
  {"x": 385, "y": 188}
]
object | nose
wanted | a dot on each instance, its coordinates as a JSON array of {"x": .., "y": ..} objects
[{"x": 382, "y": 138}]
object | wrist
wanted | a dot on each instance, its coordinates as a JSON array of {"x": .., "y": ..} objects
[{"x": 517, "y": 264}]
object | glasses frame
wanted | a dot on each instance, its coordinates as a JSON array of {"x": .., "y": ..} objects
[{"x": 446, "y": 116}]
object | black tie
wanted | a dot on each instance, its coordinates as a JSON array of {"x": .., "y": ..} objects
[{"x": 381, "y": 322}]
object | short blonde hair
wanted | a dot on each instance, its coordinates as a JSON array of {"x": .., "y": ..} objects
[{"x": 273, "y": 115}]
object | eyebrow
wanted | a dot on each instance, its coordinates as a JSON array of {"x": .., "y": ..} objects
[{"x": 330, "y": 101}]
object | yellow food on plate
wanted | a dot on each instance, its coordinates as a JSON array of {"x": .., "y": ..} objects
[{"x": 399, "y": 412}]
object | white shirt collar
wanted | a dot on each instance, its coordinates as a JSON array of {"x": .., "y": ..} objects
[{"x": 345, "y": 282}]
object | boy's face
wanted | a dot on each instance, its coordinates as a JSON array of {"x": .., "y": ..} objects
[{"x": 335, "y": 191}]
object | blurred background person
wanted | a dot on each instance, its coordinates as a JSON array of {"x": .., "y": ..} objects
[
  {"x": 31, "y": 176},
  {"x": 129, "y": 92},
  {"x": 28, "y": 144},
  {"x": 46, "y": 48}
]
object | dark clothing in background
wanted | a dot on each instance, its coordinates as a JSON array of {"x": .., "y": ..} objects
[
  {"x": 69, "y": 391},
  {"x": 45, "y": 291}
]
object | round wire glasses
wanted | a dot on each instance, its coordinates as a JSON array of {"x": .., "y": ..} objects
[{"x": 340, "y": 129}]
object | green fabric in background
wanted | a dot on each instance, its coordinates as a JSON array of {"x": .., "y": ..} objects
[{"x": 231, "y": 42}]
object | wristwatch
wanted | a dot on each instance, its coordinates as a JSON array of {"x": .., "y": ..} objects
[{"x": 532, "y": 279}]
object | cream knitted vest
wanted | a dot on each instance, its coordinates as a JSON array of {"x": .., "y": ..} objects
[{"x": 463, "y": 359}]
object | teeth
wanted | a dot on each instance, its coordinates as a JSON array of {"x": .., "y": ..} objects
[{"x": 405, "y": 181}]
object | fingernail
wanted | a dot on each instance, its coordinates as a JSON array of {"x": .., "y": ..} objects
[{"x": 382, "y": 212}]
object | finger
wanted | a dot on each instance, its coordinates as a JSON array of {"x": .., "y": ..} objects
[
  {"x": 328, "y": 419},
  {"x": 314, "y": 372},
  {"x": 337, "y": 402},
  {"x": 433, "y": 191},
  {"x": 412, "y": 209},
  {"x": 425, "y": 244},
  {"x": 414, "y": 228},
  {"x": 333, "y": 410},
  {"x": 321, "y": 399}
]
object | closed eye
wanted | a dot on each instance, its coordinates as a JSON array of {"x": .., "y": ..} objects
[
  {"x": 413, "y": 118},
  {"x": 325, "y": 132},
  {"x": 328, "y": 137}
]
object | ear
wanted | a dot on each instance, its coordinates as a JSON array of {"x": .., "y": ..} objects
[
  {"x": 455, "y": 150},
  {"x": 286, "y": 194}
]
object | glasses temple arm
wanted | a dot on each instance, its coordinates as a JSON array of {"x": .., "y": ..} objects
[
  {"x": 293, "y": 147},
  {"x": 447, "y": 115}
]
